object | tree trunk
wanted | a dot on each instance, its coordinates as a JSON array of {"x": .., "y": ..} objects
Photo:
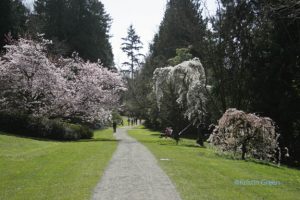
[{"x": 244, "y": 150}]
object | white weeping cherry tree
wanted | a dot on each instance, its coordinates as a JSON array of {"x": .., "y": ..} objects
[{"x": 188, "y": 80}]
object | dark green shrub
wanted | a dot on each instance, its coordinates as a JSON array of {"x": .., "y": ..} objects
[
  {"x": 41, "y": 127},
  {"x": 14, "y": 123},
  {"x": 84, "y": 131}
]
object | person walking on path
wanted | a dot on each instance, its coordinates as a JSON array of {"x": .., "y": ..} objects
[
  {"x": 115, "y": 126},
  {"x": 132, "y": 121}
]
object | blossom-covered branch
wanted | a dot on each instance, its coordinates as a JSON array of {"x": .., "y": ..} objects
[
  {"x": 66, "y": 88},
  {"x": 244, "y": 133},
  {"x": 189, "y": 81}
]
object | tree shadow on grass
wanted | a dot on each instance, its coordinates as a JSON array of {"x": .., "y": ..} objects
[
  {"x": 155, "y": 134},
  {"x": 275, "y": 165},
  {"x": 147, "y": 141},
  {"x": 32, "y": 137},
  {"x": 252, "y": 160},
  {"x": 98, "y": 140},
  {"x": 62, "y": 141},
  {"x": 194, "y": 146},
  {"x": 260, "y": 162},
  {"x": 180, "y": 144},
  {"x": 171, "y": 142}
]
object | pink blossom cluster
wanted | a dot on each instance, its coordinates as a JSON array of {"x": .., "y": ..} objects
[
  {"x": 67, "y": 88},
  {"x": 247, "y": 133}
]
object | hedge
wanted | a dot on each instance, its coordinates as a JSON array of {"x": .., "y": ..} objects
[{"x": 26, "y": 125}]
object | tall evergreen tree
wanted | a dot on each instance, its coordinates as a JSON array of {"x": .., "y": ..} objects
[
  {"x": 236, "y": 24},
  {"x": 131, "y": 46},
  {"x": 276, "y": 83},
  {"x": 13, "y": 15},
  {"x": 254, "y": 57},
  {"x": 82, "y": 26},
  {"x": 182, "y": 27}
]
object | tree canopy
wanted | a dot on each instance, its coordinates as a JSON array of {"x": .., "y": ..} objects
[
  {"x": 81, "y": 26},
  {"x": 67, "y": 88},
  {"x": 13, "y": 15},
  {"x": 180, "y": 35},
  {"x": 250, "y": 54}
]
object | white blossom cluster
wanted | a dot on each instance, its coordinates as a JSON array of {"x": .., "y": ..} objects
[
  {"x": 237, "y": 130},
  {"x": 188, "y": 81},
  {"x": 66, "y": 88}
]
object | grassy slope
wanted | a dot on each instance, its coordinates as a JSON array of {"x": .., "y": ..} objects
[
  {"x": 33, "y": 169},
  {"x": 199, "y": 173}
]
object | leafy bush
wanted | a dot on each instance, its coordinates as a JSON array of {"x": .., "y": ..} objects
[
  {"x": 26, "y": 125},
  {"x": 84, "y": 131}
]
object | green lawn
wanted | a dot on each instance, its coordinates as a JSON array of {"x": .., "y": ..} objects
[
  {"x": 199, "y": 173},
  {"x": 33, "y": 169}
]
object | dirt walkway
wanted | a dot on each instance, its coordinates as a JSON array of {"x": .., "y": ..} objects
[{"x": 133, "y": 174}]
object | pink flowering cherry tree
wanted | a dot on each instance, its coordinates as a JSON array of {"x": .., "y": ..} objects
[
  {"x": 67, "y": 88},
  {"x": 246, "y": 134},
  {"x": 93, "y": 91},
  {"x": 30, "y": 83}
]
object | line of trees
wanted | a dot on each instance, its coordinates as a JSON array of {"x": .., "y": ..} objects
[
  {"x": 250, "y": 54},
  {"x": 56, "y": 76},
  {"x": 13, "y": 16},
  {"x": 249, "y": 50},
  {"x": 72, "y": 25},
  {"x": 66, "y": 88}
]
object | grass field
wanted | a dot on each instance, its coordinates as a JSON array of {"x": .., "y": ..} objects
[
  {"x": 199, "y": 173},
  {"x": 32, "y": 169}
]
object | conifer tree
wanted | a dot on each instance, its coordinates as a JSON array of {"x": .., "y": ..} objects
[
  {"x": 13, "y": 15},
  {"x": 182, "y": 27},
  {"x": 131, "y": 46},
  {"x": 82, "y": 26}
]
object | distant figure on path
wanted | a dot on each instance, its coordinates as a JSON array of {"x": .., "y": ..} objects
[
  {"x": 128, "y": 121},
  {"x": 132, "y": 121},
  {"x": 135, "y": 121},
  {"x": 115, "y": 126}
]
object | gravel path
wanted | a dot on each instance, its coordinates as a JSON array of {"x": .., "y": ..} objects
[{"x": 133, "y": 174}]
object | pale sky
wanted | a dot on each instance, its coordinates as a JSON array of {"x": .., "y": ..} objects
[{"x": 144, "y": 15}]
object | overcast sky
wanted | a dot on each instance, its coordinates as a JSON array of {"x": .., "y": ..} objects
[{"x": 144, "y": 15}]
